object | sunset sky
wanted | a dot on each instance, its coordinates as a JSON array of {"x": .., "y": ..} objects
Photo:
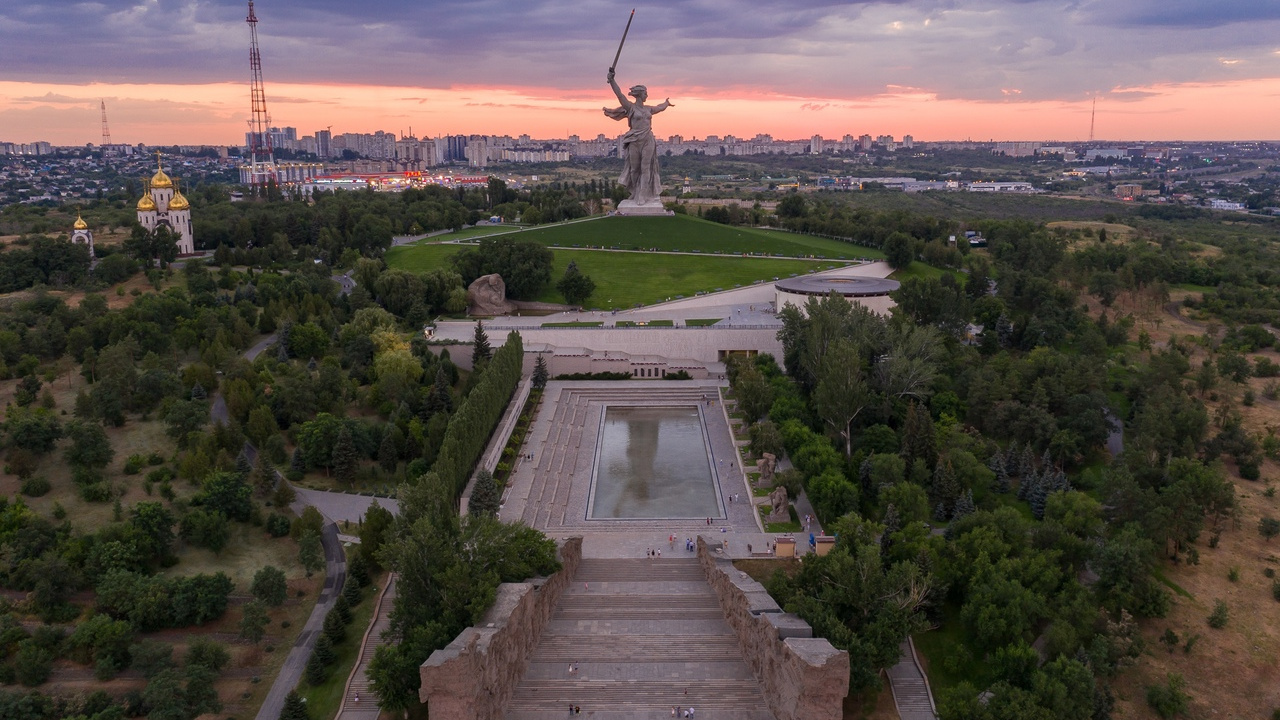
[{"x": 176, "y": 71}]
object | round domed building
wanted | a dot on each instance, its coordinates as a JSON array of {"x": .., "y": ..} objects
[
  {"x": 870, "y": 292},
  {"x": 164, "y": 205}
]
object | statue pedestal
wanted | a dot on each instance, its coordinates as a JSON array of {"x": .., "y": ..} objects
[{"x": 630, "y": 207}]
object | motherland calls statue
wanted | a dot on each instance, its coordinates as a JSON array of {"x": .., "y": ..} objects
[{"x": 639, "y": 149}]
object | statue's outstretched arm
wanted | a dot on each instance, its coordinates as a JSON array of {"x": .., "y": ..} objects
[
  {"x": 618, "y": 91},
  {"x": 663, "y": 106}
]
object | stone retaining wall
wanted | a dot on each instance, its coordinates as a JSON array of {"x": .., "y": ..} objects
[
  {"x": 475, "y": 675},
  {"x": 804, "y": 678}
]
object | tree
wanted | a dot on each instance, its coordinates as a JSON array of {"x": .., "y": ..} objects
[
  {"x": 295, "y": 707},
  {"x": 322, "y": 657},
  {"x": 481, "y": 352},
  {"x": 335, "y": 628},
  {"x": 1169, "y": 699},
  {"x": 90, "y": 446},
  {"x": 155, "y": 525},
  {"x": 208, "y": 654},
  {"x": 33, "y": 429},
  {"x": 254, "y": 621},
  {"x": 753, "y": 391},
  {"x": 898, "y": 250},
  {"x": 574, "y": 286},
  {"x": 540, "y": 373},
  {"x": 227, "y": 493},
  {"x": 264, "y": 476},
  {"x": 345, "y": 457},
  {"x": 389, "y": 449},
  {"x": 842, "y": 391},
  {"x": 269, "y": 586},
  {"x": 206, "y": 528},
  {"x": 311, "y": 553},
  {"x": 484, "y": 495}
]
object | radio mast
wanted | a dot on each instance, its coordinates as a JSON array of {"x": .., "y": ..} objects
[
  {"x": 262, "y": 167},
  {"x": 106, "y": 131}
]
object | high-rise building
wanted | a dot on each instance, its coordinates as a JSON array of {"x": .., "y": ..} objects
[
  {"x": 324, "y": 143},
  {"x": 815, "y": 145}
]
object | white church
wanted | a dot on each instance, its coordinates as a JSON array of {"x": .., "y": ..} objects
[{"x": 164, "y": 204}]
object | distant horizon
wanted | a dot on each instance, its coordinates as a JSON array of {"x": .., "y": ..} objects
[{"x": 177, "y": 72}]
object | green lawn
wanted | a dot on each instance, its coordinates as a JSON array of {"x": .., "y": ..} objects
[
  {"x": 685, "y": 233},
  {"x": 918, "y": 269},
  {"x": 701, "y": 322},
  {"x": 625, "y": 279},
  {"x": 575, "y": 323}
]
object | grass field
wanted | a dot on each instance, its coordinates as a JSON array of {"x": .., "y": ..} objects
[
  {"x": 625, "y": 279},
  {"x": 684, "y": 233},
  {"x": 918, "y": 269}
]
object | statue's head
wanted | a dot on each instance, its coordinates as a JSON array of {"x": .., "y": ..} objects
[{"x": 639, "y": 92}]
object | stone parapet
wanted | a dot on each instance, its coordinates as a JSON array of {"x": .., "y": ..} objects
[
  {"x": 475, "y": 675},
  {"x": 804, "y": 678}
]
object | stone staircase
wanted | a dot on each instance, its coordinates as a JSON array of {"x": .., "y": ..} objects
[
  {"x": 911, "y": 693},
  {"x": 359, "y": 701},
  {"x": 646, "y": 635}
]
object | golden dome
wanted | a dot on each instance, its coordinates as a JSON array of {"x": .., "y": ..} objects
[
  {"x": 80, "y": 223},
  {"x": 160, "y": 180},
  {"x": 146, "y": 204},
  {"x": 179, "y": 201}
]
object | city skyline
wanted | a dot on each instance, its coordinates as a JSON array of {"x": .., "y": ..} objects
[{"x": 176, "y": 72}]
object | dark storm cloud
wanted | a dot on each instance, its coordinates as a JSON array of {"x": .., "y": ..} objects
[{"x": 984, "y": 49}]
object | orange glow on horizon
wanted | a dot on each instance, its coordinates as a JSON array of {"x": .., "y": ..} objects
[{"x": 215, "y": 114}]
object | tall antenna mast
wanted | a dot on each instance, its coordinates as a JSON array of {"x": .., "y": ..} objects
[
  {"x": 106, "y": 131},
  {"x": 262, "y": 164},
  {"x": 1093, "y": 114}
]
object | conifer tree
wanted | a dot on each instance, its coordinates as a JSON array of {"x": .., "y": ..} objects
[
  {"x": 345, "y": 457},
  {"x": 334, "y": 628},
  {"x": 317, "y": 670},
  {"x": 264, "y": 476},
  {"x": 388, "y": 451},
  {"x": 484, "y": 496},
  {"x": 540, "y": 375},
  {"x": 964, "y": 505},
  {"x": 294, "y": 707},
  {"x": 892, "y": 524},
  {"x": 481, "y": 351}
]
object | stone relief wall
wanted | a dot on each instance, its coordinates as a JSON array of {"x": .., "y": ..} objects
[
  {"x": 803, "y": 677},
  {"x": 475, "y": 675}
]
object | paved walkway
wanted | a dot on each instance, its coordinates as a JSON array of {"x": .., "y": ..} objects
[
  {"x": 643, "y": 636},
  {"x": 335, "y": 576},
  {"x": 341, "y": 507}
]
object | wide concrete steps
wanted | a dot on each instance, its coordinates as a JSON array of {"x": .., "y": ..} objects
[
  {"x": 594, "y": 695},
  {"x": 641, "y": 570},
  {"x": 642, "y": 636},
  {"x": 636, "y": 648}
]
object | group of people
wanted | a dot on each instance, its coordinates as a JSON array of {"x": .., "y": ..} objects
[
  {"x": 654, "y": 553},
  {"x": 676, "y": 711}
]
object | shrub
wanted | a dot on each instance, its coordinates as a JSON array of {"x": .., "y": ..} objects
[
  {"x": 1169, "y": 699},
  {"x": 1275, "y": 590},
  {"x": 134, "y": 464},
  {"x": 1218, "y": 618},
  {"x": 35, "y": 486},
  {"x": 1233, "y": 574},
  {"x": 278, "y": 525}
]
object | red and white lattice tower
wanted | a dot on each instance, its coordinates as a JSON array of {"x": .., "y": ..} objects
[
  {"x": 262, "y": 166},
  {"x": 106, "y": 131}
]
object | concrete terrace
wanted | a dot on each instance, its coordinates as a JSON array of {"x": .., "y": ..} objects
[{"x": 552, "y": 491}]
